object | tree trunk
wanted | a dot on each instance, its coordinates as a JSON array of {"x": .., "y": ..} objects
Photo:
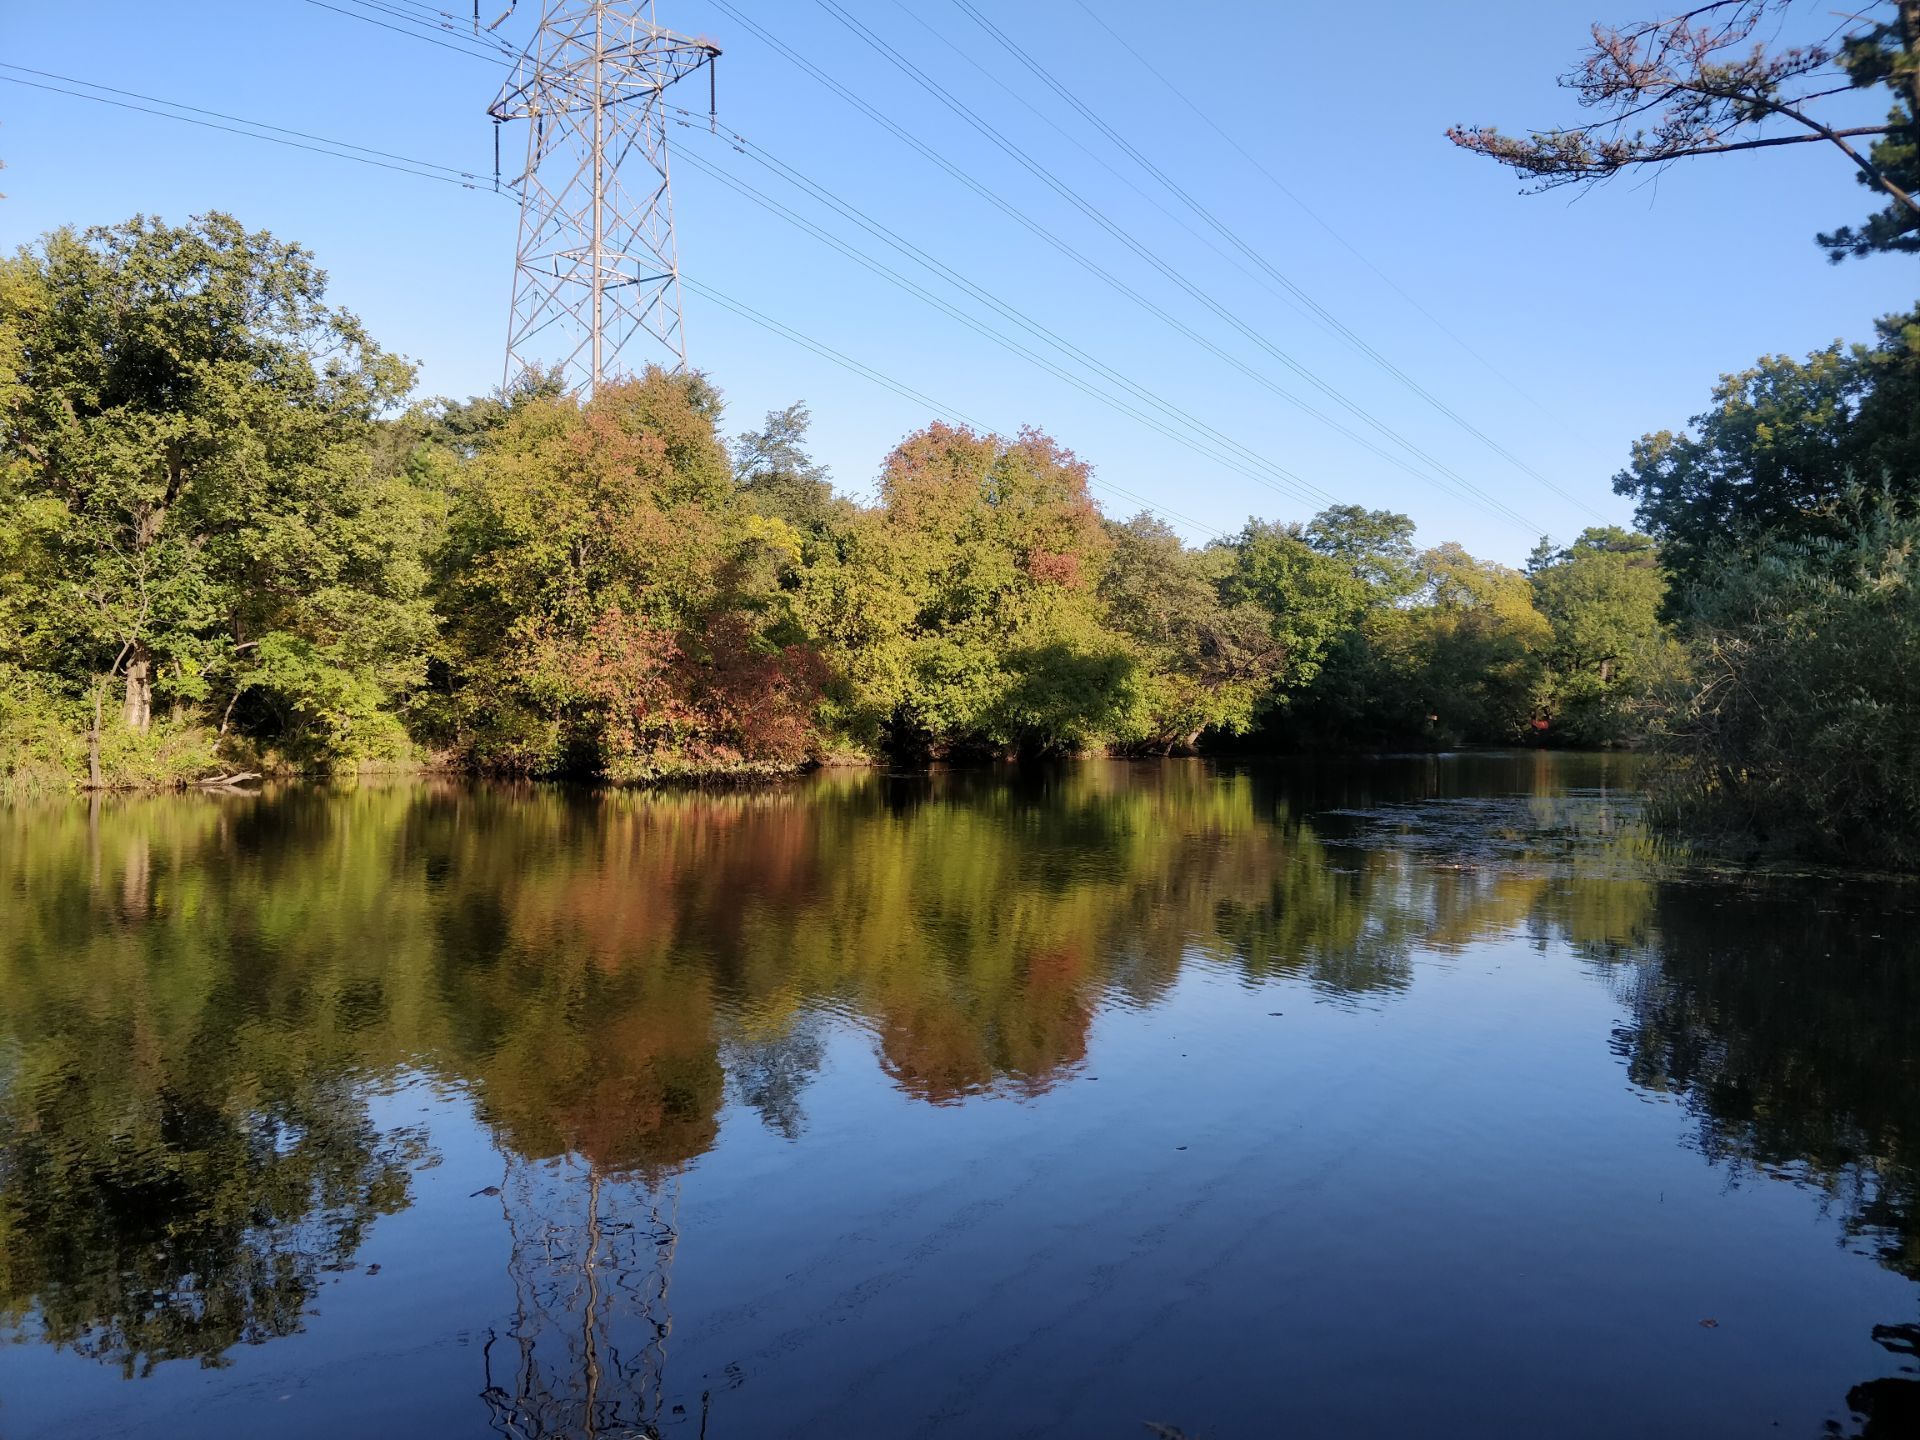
[
  {"x": 93, "y": 742},
  {"x": 139, "y": 703}
]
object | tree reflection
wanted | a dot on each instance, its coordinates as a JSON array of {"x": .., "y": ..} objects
[
  {"x": 198, "y": 998},
  {"x": 1786, "y": 1019},
  {"x": 183, "y": 1158}
]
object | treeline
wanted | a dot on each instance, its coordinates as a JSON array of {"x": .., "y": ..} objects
[
  {"x": 227, "y": 542},
  {"x": 1790, "y": 516}
]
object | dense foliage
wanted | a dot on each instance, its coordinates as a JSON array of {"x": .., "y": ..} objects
[
  {"x": 1789, "y": 515},
  {"x": 1804, "y": 729},
  {"x": 192, "y": 512},
  {"x": 226, "y": 541},
  {"x": 1794, "y": 447}
]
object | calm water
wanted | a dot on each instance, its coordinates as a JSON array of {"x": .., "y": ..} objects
[{"x": 1422, "y": 1097}]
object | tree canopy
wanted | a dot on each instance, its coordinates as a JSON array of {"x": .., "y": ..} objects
[
  {"x": 223, "y": 516},
  {"x": 1787, "y": 448},
  {"x": 193, "y": 501}
]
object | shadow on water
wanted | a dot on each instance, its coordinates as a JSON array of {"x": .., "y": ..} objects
[{"x": 199, "y": 999}]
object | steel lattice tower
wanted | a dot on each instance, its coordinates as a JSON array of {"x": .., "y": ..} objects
[
  {"x": 596, "y": 260},
  {"x": 586, "y": 1353}
]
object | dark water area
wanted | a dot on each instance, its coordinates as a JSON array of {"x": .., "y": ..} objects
[{"x": 1415, "y": 1097}]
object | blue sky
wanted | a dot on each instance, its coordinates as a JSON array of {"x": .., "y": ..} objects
[{"x": 1598, "y": 317}]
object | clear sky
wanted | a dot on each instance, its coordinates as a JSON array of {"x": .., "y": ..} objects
[{"x": 1598, "y": 318}]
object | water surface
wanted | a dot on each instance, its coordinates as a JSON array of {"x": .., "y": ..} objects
[{"x": 1409, "y": 1097}]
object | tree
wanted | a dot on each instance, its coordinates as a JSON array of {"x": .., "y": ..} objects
[
  {"x": 777, "y": 475},
  {"x": 1787, "y": 449},
  {"x": 593, "y": 584},
  {"x": 1716, "y": 89},
  {"x": 999, "y": 548},
  {"x": 1363, "y": 688},
  {"x": 1210, "y": 663},
  {"x": 1799, "y": 734},
  {"x": 1479, "y": 645},
  {"x": 1311, "y": 597},
  {"x": 1603, "y": 597},
  {"x": 189, "y": 422},
  {"x": 1376, "y": 545}
]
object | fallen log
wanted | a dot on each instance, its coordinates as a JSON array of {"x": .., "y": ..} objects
[{"x": 226, "y": 782}]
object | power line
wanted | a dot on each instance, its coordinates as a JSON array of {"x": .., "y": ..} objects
[
  {"x": 424, "y": 169},
  {"x": 767, "y": 322},
  {"x": 1305, "y": 208},
  {"x": 847, "y": 362},
  {"x": 439, "y": 16},
  {"x": 1359, "y": 343},
  {"x": 998, "y": 202},
  {"x": 1171, "y": 272},
  {"x": 1296, "y": 487},
  {"x": 1013, "y": 346},
  {"x": 426, "y": 17},
  {"x": 992, "y": 198},
  {"x": 409, "y": 33},
  {"x": 1113, "y": 170}
]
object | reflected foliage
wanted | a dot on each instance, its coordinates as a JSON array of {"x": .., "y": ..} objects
[
  {"x": 1787, "y": 1021},
  {"x": 198, "y": 996}
]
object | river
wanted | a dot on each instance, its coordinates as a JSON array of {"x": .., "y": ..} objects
[{"x": 1424, "y": 1096}]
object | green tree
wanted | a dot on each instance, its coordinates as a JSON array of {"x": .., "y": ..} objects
[
  {"x": 1364, "y": 690},
  {"x": 595, "y": 583},
  {"x": 1603, "y": 596},
  {"x": 998, "y": 548},
  {"x": 1787, "y": 449},
  {"x": 1209, "y": 664},
  {"x": 1311, "y": 597},
  {"x": 779, "y": 478},
  {"x": 1395, "y": 645},
  {"x": 1717, "y": 88},
  {"x": 1479, "y": 643},
  {"x": 193, "y": 510},
  {"x": 1376, "y": 545},
  {"x": 1799, "y": 735}
]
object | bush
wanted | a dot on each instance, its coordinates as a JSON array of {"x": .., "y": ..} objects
[
  {"x": 38, "y": 753},
  {"x": 1801, "y": 731},
  {"x": 42, "y": 754}
]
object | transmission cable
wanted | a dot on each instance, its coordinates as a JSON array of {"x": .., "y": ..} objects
[
  {"x": 427, "y": 173},
  {"x": 1296, "y": 488},
  {"x": 1013, "y": 346},
  {"x": 427, "y": 17},
  {"x": 425, "y": 169},
  {"x": 1226, "y": 232},
  {"x": 878, "y": 377},
  {"x": 1308, "y": 210},
  {"x": 1046, "y": 235},
  {"x": 1171, "y": 272},
  {"x": 1125, "y": 179},
  {"x": 412, "y": 34}
]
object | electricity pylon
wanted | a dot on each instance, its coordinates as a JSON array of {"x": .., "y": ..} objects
[
  {"x": 585, "y": 1356},
  {"x": 597, "y": 270}
]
